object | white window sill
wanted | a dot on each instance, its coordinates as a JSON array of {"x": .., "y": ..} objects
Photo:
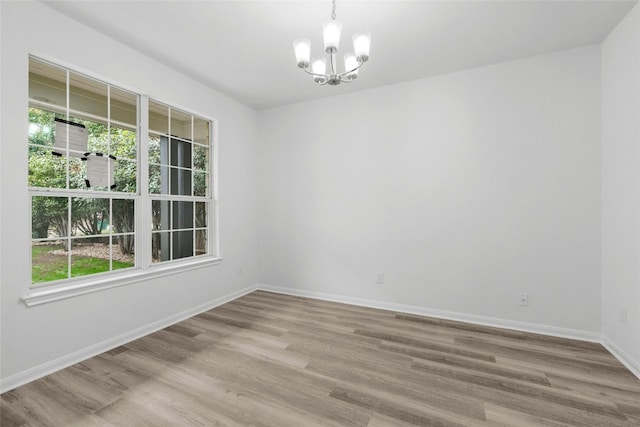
[{"x": 45, "y": 295}]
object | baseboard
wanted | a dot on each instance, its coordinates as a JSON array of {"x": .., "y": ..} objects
[
  {"x": 575, "y": 334},
  {"x": 628, "y": 361},
  {"x": 40, "y": 371}
]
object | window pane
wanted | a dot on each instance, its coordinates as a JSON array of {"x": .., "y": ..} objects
[
  {"x": 158, "y": 118},
  {"x": 123, "y": 216},
  {"x": 123, "y": 143},
  {"x": 180, "y": 153},
  {"x": 49, "y": 261},
  {"x": 89, "y": 217},
  {"x": 49, "y": 217},
  {"x": 98, "y": 136},
  {"x": 90, "y": 256},
  {"x": 182, "y": 215},
  {"x": 181, "y": 182},
  {"x": 125, "y": 175},
  {"x": 87, "y": 95},
  {"x": 201, "y": 131},
  {"x": 124, "y": 107},
  {"x": 201, "y": 242},
  {"x": 47, "y": 84},
  {"x": 182, "y": 244},
  {"x": 200, "y": 158},
  {"x": 154, "y": 149},
  {"x": 160, "y": 247},
  {"x": 180, "y": 124},
  {"x": 41, "y": 126},
  {"x": 161, "y": 210},
  {"x": 46, "y": 170},
  {"x": 123, "y": 250},
  {"x": 201, "y": 214},
  {"x": 201, "y": 182}
]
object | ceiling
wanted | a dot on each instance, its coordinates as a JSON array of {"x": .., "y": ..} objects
[{"x": 244, "y": 48}]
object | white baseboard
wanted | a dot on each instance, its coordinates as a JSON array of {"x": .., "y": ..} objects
[
  {"x": 622, "y": 356},
  {"x": 50, "y": 367},
  {"x": 575, "y": 334}
]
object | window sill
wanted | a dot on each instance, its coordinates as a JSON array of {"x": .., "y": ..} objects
[{"x": 39, "y": 296}]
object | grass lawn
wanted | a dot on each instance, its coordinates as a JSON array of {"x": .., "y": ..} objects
[{"x": 47, "y": 267}]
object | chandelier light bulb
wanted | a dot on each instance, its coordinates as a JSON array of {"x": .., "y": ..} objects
[
  {"x": 302, "y": 48},
  {"x": 361, "y": 45},
  {"x": 331, "y": 35},
  {"x": 319, "y": 66},
  {"x": 350, "y": 63}
]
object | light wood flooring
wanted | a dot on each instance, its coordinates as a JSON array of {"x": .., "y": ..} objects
[{"x": 267, "y": 359}]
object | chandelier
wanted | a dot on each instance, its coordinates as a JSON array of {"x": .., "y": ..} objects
[{"x": 331, "y": 35}]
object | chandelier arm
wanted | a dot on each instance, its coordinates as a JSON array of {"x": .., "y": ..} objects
[
  {"x": 306, "y": 70},
  {"x": 360, "y": 64}
]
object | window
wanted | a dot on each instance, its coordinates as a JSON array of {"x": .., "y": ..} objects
[
  {"x": 91, "y": 213},
  {"x": 179, "y": 153}
]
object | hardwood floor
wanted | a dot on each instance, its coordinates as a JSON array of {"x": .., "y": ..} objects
[{"x": 267, "y": 359}]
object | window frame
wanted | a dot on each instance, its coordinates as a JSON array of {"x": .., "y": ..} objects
[{"x": 144, "y": 267}]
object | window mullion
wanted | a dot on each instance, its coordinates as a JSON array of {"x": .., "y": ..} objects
[
  {"x": 143, "y": 208},
  {"x": 194, "y": 237}
]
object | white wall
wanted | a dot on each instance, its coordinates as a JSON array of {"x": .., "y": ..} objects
[
  {"x": 33, "y": 339},
  {"x": 621, "y": 188},
  {"x": 463, "y": 189}
]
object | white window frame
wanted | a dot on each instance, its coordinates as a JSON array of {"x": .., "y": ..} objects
[{"x": 144, "y": 268}]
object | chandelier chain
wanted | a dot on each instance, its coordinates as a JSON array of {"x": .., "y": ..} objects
[{"x": 333, "y": 10}]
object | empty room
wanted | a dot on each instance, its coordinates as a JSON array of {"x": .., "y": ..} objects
[{"x": 319, "y": 213}]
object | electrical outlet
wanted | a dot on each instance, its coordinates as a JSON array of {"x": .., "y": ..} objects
[
  {"x": 623, "y": 315},
  {"x": 523, "y": 298},
  {"x": 380, "y": 278}
]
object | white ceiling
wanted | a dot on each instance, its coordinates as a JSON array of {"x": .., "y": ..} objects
[{"x": 244, "y": 48}]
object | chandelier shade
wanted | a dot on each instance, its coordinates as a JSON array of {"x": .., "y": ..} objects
[
  {"x": 331, "y": 30},
  {"x": 319, "y": 67},
  {"x": 351, "y": 63},
  {"x": 302, "y": 48},
  {"x": 361, "y": 45},
  {"x": 331, "y": 35}
]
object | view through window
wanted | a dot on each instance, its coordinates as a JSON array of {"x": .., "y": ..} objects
[{"x": 89, "y": 212}]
